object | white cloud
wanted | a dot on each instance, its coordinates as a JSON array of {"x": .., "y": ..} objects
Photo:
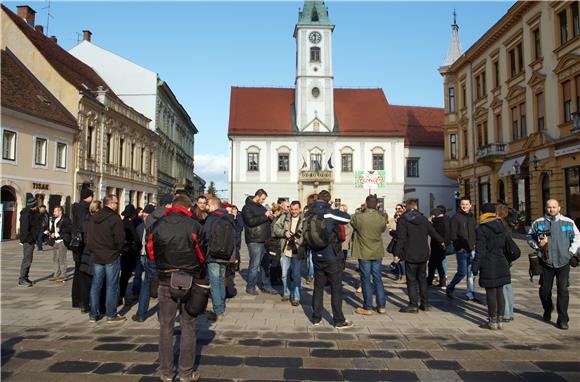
[{"x": 214, "y": 168}]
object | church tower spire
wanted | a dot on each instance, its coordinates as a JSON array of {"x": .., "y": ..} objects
[
  {"x": 314, "y": 95},
  {"x": 454, "y": 51}
]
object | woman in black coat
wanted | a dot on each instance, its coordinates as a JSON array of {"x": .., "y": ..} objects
[
  {"x": 490, "y": 262},
  {"x": 438, "y": 253},
  {"x": 130, "y": 252}
]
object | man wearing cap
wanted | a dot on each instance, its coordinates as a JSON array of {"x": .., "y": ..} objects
[
  {"x": 27, "y": 239},
  {"x": 80, "y": 287},
  {"x": 148, "y": 267}
]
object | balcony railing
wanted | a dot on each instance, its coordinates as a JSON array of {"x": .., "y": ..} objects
[
  {"x": 492, "y": 150},
  {"x": 316, "y": 176}
]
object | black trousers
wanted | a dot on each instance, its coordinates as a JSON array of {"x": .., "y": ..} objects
[
  {"x": 562, "y": 276},
  {"x": 495, "y": 301},
  {"x": 76, "y": 284},
  {"x": 333, "y": 272},
  {"x": 435, "y": 264},
  {"x": 417, "y": 279},
  {"x": 128, "y": 263}
]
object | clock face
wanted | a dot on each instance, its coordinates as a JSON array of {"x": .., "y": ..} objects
[{"x": 315, "y": 37}]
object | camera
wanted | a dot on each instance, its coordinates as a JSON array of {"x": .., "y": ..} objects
[{"x": 543, "y": 234}]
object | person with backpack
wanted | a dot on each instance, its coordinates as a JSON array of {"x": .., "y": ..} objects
[
  {"x": 490, "y": 261},
  {"x": 438, "y": 251},
  {"x": 413, "y": 231},
  {"x": 60, "y": 229},
  {"x": 218, "y": 242},
  {"x": 322, "y": 230},
  {"x": 81, "y": 286},
  {"x": 368, "y": 247},
  {"x": 502, "y": 212},
  {"x": 257, "y": 229},
  {"x": 174, "y": 246},
  {"x": 27, "y": 239}
]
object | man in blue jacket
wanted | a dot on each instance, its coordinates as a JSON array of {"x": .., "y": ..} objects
[{"x": 329, "y": 262}]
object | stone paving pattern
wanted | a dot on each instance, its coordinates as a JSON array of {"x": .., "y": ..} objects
[{"x": 264, "y": 339}]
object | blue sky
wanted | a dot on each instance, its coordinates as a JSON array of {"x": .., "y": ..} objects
[{"x": 203, "y": 48}]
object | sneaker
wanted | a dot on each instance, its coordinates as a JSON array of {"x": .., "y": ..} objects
[
  {"x": 562, "y": 325},
  {"x": 425, "y": 307},
  {"x": 212, "y": 316},
  {"x": 295, "y": 303},
  {"x": 344, "y": 325},
  {"x": 547, "y": 316},
  {"x": 252, "y": 292},
  {"x": 449, "y": 294},
  {"x": 363, "y": 311},
  {"x": 166, "y": 378},
  {"x": 53, "y": 278},
  {"x": 193, "y": 378},
  {"x": 93, "y": 319},
  {"x": 60, "y": 279},
  {"x": 285, "y": 298},
  {"x": 24, "y": 283},
  {"x": 381, "y": 311},
  {"x": 116, "y": 319},
  {"x": 409, "y": 309},
  {"x": 317, "y": 322},
  {"x": 507, "y": 319},
  {"x": 137, "y": 319}
]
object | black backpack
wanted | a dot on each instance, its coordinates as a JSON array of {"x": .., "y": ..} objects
[
  {"x": 314, "y": 230},
  {"x": 222, "y": 236}
]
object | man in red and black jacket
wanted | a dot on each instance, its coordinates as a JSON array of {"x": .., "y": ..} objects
[{"x": 173, "y": 245}]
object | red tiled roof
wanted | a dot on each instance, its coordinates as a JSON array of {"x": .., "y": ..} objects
[
  {"x": 69, "y": 67},
  {"x": 21, "y": 91},
  {"x": 269, "y": 111},
  {"x": 423, "y": 126}
]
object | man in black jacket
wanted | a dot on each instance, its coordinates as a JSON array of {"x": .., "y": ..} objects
[
  {"x": 174, "y": 246},
  {"x": 106, "y": 238},
  {"x": 27, "y": 238},
  {"x": 59, "y": 230},
  {"x": 463, "y": 238},
  {"x": 80, "y": 285},
  {"x": 42, "y": 220},
  {"x": 413, "y": 230},
  {"x": 257, "y": 228}
]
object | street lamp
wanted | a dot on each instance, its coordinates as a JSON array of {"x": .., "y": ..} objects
[
  {"x": 535, "y": 162},
  {"x": 516, "y": 168}
]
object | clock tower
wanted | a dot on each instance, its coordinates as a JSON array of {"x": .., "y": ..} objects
[{"x": 314, "y": 94}]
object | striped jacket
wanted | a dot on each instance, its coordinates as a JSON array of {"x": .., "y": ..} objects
[{"x": 564, "y": 239}]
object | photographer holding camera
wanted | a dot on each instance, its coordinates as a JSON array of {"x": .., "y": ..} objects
[
  {"x": 556, "y": 239},
  {"x": 289, "y": 229}
]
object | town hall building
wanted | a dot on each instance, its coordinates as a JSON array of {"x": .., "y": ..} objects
[{"x": 297, "y": 141}]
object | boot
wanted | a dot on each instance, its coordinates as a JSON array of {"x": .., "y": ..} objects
[
  {"x": 442, "y": 283},
  {"x": 492, "y": 323},
  {"x": 499, "y": 324}
]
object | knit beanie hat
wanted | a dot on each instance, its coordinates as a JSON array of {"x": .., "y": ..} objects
[
  {"x": 31, "y": 201},
  {"x": 488, "y": 208},
  {"x": 85, "y": 193}
]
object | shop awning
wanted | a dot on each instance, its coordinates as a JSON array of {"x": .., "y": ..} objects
[{"x": 507, "y": 168}]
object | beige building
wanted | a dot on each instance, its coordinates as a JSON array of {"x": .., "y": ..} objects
[
  {"x": 38, "y": 134},
  {"x": 114, "y": 152},
  {"x": 511, "y": 103}
]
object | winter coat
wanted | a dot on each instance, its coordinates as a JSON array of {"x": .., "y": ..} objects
[
  {"x": 43, "y": 221},
  {"x": 132, "y": 239},
  {"x": 64, "y": 226},
  {"x": 86, "y": 258},
  {"x": 463, "y": 231},
  {"x": 206, "y": 233},
  {"x": 490, "y": 261},
  {"x": 368, "y": 229},
  {"x": 334, "y": 219},
  {"x": 257, "y": 224},
  {"x": 27, "y": 226},
  {"x": 154, "y": 216},
  {"x": 563, "y": 242},
  {"x": 272, "y": 243},
  {"x": 79, "y": 213},
  {"x": 441, "y": 225},
  {"x": 105, "y": 236},
  {"x": 283, "y": 225},
  {"x": 413, "y": 230},
  {"x": 239, "y": 229},
  {"x": 348, "y": 232}
]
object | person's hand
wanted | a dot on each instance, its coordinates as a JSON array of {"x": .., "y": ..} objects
[
  {"x": 52, "y": 235},
  {"x": 268, "y": 214},
  {"x": 543, "y": 241},
  {"x": 396, "y": 260},
  {"x": 287, "y": 234},
  {"x": 443, "y": 246}
]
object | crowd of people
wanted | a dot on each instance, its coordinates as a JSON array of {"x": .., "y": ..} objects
[{"x": 182, "y": 252}]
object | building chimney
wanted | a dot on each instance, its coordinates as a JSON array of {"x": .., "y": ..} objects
[
  {"x": 39, "y": 29},
  {"x": 87, "y": 35},
  {"x": 53, "y": 39},
  {"x": 27, "y": 14}
]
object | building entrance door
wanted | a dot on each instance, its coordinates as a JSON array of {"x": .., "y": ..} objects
[{"x": 9, "y": 210}]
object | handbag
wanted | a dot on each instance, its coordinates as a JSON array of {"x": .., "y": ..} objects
[
  {"x": 392, "y": 246},
  {"x": 76, "y": 242},
  {"x": 180, "y": 286},
  {"x": 199, "y": 296}
]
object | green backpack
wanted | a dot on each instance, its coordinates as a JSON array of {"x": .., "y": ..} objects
[{"x": 316, "y": 236}]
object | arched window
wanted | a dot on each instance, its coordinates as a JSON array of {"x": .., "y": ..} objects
[
  {"x": 315, "y": 54},
  {"x": 378, "y": 158},
  {"x": 283, "y": 159},
  {"x": 253, "y": 159},
  {"x": 346, "y": 159},
  {"x": 545, "y": 189}
]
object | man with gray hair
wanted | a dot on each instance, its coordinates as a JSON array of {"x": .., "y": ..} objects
[{"x": 556, "y": 239}]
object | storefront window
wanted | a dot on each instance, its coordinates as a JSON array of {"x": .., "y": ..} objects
[{"x": 573, "y": 193}]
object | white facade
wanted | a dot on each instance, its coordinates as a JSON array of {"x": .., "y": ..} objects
[{"x": 431, "y": 187}]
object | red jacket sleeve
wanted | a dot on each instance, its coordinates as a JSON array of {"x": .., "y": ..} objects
[{"x": 150, "y": 251}]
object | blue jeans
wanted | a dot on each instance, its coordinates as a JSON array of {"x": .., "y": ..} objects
[
  {"x": 139, "y": 268},
  {"x": 464, "y": 260},
  {"x": 508, "y": 296},
  {"x": 372, "y": 268},
  {"x": 295, "y": 264},
  {"x": 445, "y": 265},
  {"x": 257, "y": 251},
  {"x": 401, "y": 268},
  {"x": 149, "y": 269},
  {"x": 111, "y": 273},
  {"x": 217, "y": 281},
  {"x": 309, "y": 266}
]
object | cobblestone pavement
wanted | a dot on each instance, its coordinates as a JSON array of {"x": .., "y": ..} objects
[{"x": 263, "y": 338}]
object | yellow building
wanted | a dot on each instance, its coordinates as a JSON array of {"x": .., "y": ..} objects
[
  {"x": 512, "y": 108},
  {"x": 114, "y": 150}
]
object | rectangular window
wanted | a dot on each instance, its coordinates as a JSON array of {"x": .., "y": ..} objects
[
  {"x": 537, "y": 44},
  {"x": 513, "y": 69},
  {"x": 498, "y": 129},
  {"x": 451, "y": 99},
  {"x": 109, "y": 148},
  {"x": 485, "y": 140},
  {"x": 453, "y": 146},
  {"x": 465, "y": 143},
  {"x": 132, "y": 163},
  {"x": 315, "y": 162},
  {"x": 61, "y": 151},
  {"x": 142, "y": 160},
  {"x": 577, "y": 79},
  {"x": 575, "y": 19},
  {"x": 283, "y": 162},
  {"x": 253, "y": 161},
  {"x": 90, "y": 131},
  {"x": 567, "y": 98},
  {"x": 478, "y": 87},
  {"x": 378, "y": 161},
  {"x": 346, "y": 160},
  {"x": 496, "y": 73},
  {"x": 413, "y": 168},
  {"x": 540, "y": 109},
  {"x": 40, "y": 151},
  {"x": 315, "y": 54},
  {"x": 121, "y": 146},
  {"x": 151, "y": 158},
  {"x": 523, "y": 125},
  {"x": 483, "y": 84},
  {"x": 514, "y": 124},
  {"x": 572, "y": 183},
  {"x": 563, "y": 27},
  {"x": 520, "y": 58},
  {"x": 9, "y": 145},
  {"x": 463, "y": 96}
]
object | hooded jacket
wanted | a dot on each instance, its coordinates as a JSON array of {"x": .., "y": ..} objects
[
  {"x": 563, "y": 242},
  {"x": 463, "y": 231},
  {"x": 105, "y": 236},
  {"x": 334, "y": 219},
  {"x": 27, "y": 230},
  {"x": 80, "y": 211},
  {"x": 441, "y": 225},
  {"x": 368, "y": 229},
  {"x": 154, "y": 216},
  {"x": 490, "y": 260},
  {"x": 257, "y": 224},
  {"x": 413, "y": 231}
]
